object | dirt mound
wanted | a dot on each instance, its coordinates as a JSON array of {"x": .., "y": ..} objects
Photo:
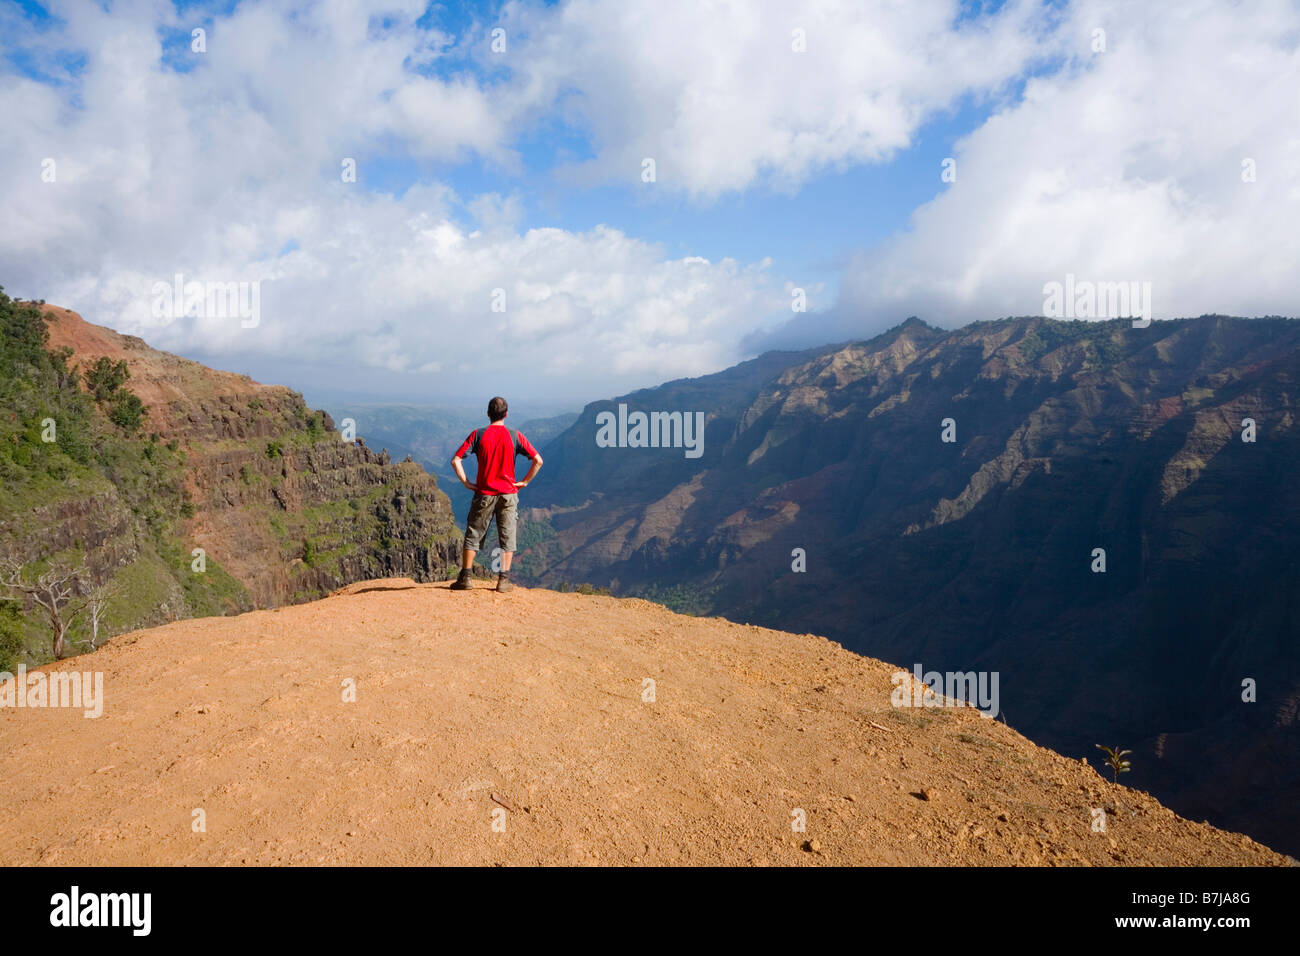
[{"x": 521, "y": 728}]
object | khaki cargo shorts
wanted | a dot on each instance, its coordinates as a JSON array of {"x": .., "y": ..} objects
[{"x": 481, "y": 511}]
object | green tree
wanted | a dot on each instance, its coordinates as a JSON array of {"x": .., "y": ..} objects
[
  {"x": 127, "y": 411},
  {"x": 105, "y": 377}
]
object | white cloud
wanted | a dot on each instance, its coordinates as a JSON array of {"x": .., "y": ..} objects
[
  {"x": 718, "y": 97},
  {"x": 1126, "y": 165},
  {"x": 231, "y": 173},
  {"x": 1121, "y": 165}
]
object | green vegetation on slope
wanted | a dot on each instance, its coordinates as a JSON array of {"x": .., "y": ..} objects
[{"x": 80, "y": 481}]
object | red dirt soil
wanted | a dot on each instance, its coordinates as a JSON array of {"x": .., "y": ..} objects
[{"x": 526, "y": 710}]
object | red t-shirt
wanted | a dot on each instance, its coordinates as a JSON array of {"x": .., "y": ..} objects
[{"x": 495, "y": 448}]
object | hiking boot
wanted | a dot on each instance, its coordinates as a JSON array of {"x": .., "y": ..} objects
[
  {"x": 462, "y": 581},
  {"x": 503, "y": 581}
]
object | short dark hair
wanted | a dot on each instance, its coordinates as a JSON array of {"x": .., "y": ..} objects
[{"x": 497, "y": 409}]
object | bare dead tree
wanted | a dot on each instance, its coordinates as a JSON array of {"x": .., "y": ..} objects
[
  {"x": 56, "y": 592},
  {"x": 97, "y": 601}
]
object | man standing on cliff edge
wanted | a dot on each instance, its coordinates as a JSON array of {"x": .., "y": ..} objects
[{"x": 495, "y": 489}]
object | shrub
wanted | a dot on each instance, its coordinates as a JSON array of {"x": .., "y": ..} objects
[
  {"x": 105, "y": 377},
  {"x": 11, "y": 636}
]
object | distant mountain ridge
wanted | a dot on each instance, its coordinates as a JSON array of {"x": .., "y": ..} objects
[{"x": 978, "y": 554}]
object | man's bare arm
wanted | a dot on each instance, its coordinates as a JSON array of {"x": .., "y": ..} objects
[
  {"x": 532, "y": 472},
  {"x": 460, "y": 473}
]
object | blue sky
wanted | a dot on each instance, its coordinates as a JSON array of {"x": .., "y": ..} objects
[
  {"x": 807, "y": 230},
  {"x": 499, "y": 191}
]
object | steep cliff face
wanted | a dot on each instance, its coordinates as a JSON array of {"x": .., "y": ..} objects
[
  {"x": 281, "y": 507},
  {"x": 278, "y": 499},
  {"x": 978, "y": 554}
]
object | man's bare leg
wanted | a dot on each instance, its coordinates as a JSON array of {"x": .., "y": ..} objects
[
  {"x": 503, "y": 579},
  {"x": 466, "y": 562}
]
